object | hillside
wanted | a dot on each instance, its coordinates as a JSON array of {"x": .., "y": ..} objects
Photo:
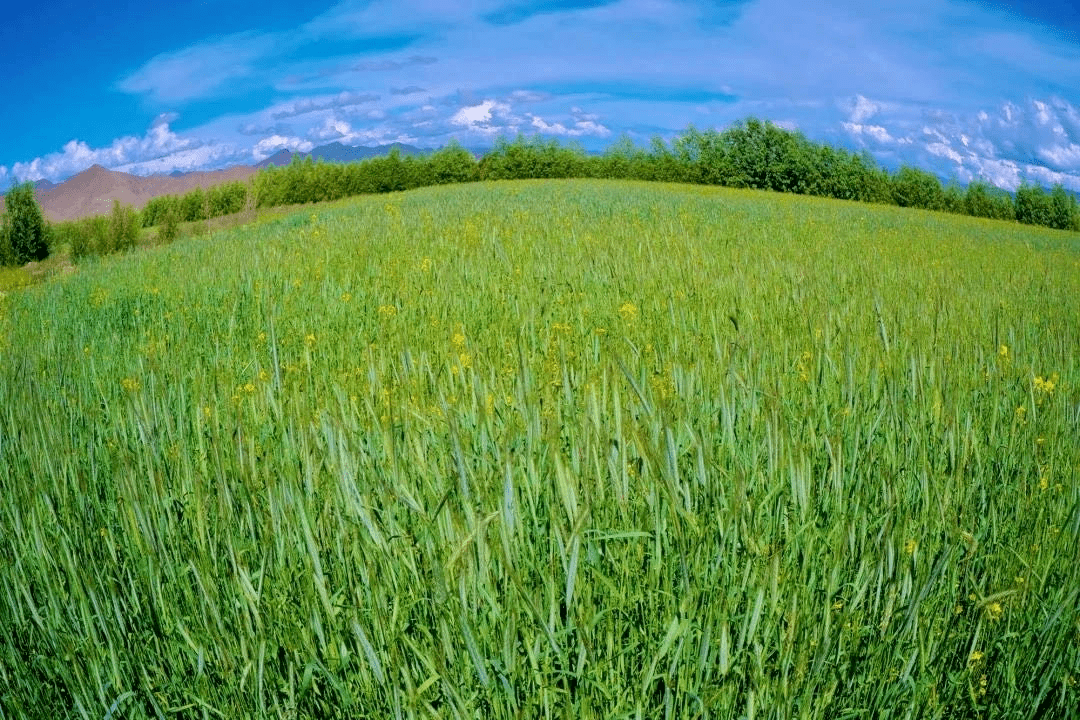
[{"x": 584, "y": 449}]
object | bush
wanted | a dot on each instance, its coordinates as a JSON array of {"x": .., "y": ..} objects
[
  {"x": 169, "y": 229},
  {"x": 123, "y": 228},
  {"x": 26, "y": 229},
  {"x": 917, "y": 189}
]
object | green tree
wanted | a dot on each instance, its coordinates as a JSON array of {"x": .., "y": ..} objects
[{"x": 27, "y": 231}]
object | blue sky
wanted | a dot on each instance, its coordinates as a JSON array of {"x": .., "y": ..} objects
[{"x": 967, "y": 89}]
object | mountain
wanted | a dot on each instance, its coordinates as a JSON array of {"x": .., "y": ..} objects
[{"x": 93, "y": 191}]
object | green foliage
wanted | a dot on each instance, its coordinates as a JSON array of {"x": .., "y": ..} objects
[
  {"x": 193, "y": 205},
  {"x": 578, "y": 449},
  {"x": 7, "y": 253},
  {"x": 27, "y": 231},
  {"x": 451, "y": 164},
  {"x": 169, "y": 228},
  {"x": 916, "y": 188},
  {"x": 750, "y": 154},
  {"x": 985, "y": 200},
  {"x": 227, "y": 199},
  {"x": 124, "y": 227},
  {"x": 90, "y": 236}
]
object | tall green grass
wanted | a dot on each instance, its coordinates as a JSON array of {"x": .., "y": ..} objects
[{"x": 549, "y": 449}]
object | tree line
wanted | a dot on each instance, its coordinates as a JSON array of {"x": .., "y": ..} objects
[{"x": 750, "y": 154}]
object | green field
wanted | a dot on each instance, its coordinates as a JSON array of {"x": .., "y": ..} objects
[{"x": 559, "y": 449}]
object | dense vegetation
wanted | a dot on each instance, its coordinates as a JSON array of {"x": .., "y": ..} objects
[
  {"x": 548, "y": 449},
  {"x": 751, "y": 154}
]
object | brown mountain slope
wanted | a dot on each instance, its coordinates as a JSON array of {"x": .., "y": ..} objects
[{"x": 92, "y": 191}]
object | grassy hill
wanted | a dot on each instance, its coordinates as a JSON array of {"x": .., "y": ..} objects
[{"x": 551, "y": 448}]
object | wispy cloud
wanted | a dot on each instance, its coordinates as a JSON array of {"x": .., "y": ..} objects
[
  {"x": 310, "y": 105},
  {"x": 207, "y": 69}
]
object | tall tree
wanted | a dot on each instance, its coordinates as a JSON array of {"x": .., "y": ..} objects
[{"x": 27, "y": 231}]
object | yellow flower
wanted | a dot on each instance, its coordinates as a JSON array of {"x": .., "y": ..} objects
[
  {"x": 838, "y": 605},
  {"x": 425, "y": 265},
  {"x": 909, "y": 547},
  {"x": 995, "y": 611},
  {"x": 458, "y": 340},
  {"x": 130, "y": 384},
  {"x": 387, "y": 311},
  {"x": 975, "y": 657},
  {"x": 1003, "y": 352},
  {"x": 346, "y": 297},
  {"x": 628, "y": 310},
  {"x": 310, "y": 339},
  {"x": 466, "y": 360},
  {"x": 249, "y": 388}
]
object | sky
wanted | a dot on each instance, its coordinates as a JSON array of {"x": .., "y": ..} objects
[{"x": 967, "y": 89}]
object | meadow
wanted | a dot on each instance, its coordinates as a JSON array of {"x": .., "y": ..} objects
[{"x": 559, "y": 449}]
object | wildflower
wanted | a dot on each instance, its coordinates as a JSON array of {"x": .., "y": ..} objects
[
  {"x": 249, "y": 388},
  {"x": 628, "y": 311},
  {"x": 1020, "y": 580},
  {"x": 346, "y": 297},
  {"x": 1003, "y": 353},
  {"x": 425, "y": 265},
  {"x": 560, "y": 327},
  {"x": 1043, "y": 483},
  {"x": 995, "y": 611},
  {"x": 1021, "y": 414},
  {"x": 976, "y": 656},
  {"x": 387, "y": 311},
  {"x": 263, "y": 375},
  {"x": 465, "y": 359},
  {"x": 838, "y": 605},
  {"x": 310, "y": 339},
  {"x": 130, "y": 384},
  {"x": 909, "y": 547},
  {"x": 458, "y": 340}
]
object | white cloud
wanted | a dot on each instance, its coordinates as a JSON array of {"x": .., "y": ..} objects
[
  {"x": 138, "y": 154},
  {"x": 877, "y": 133},
  {"x": 268, "y": 146},
  {"x": 863, "y": 109},
  {"x": 580, "y": 128}
]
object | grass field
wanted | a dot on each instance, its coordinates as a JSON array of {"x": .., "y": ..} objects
[{"x": 558, "y": 449}]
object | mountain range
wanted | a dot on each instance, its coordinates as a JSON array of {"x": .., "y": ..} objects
[{"x": 93, "y": 191}]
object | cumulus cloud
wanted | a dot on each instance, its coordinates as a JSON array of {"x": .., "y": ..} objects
[
  {"x": 159, "y": 147},
  {"x": 1036, "y": 141},
  {"x": 488, "y": 117},
  {"x": 582, "y": 125}
]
